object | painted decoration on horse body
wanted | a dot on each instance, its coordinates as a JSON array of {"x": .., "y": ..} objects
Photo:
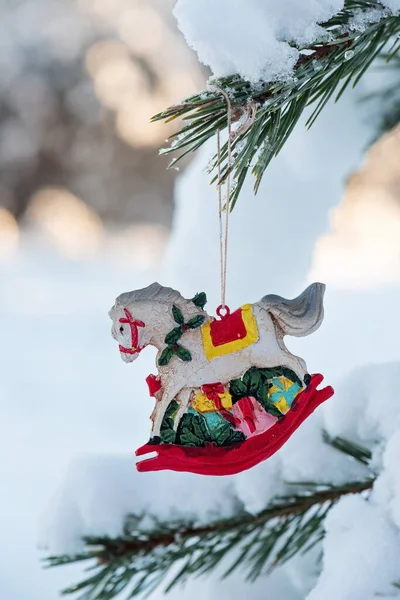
[{"x": 228, "y": 393}]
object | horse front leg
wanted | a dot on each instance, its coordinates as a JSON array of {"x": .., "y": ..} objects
[
  {"x": 170, "y": 392},
  {"x": 183, "y": 401}
]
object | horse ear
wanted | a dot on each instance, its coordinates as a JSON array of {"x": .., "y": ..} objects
[{"x": 153, "y": 290}]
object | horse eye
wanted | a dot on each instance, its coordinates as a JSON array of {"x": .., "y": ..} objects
[{"x": 121, "y": 329}]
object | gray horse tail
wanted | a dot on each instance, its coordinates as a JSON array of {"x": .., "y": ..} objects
[{"x": 300, "y": 316}]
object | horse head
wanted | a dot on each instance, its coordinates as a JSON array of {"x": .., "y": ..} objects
[{"x": 142, "y": 317}]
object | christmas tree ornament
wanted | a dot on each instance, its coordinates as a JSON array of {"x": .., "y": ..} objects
[{"x": 228, "y": 393}]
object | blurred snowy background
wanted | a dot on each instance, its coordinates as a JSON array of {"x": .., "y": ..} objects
[{"x": 86, "y": 207}]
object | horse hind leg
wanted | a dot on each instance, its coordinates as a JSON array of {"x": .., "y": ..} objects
[
  {"x": 281, "y": 357},
  {"x": 293, "y": 362}
]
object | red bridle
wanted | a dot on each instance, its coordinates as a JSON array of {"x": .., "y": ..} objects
[{"x": 134, "y": 324}]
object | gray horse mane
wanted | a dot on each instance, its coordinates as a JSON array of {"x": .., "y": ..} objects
[{"x": 155, "y": 291}]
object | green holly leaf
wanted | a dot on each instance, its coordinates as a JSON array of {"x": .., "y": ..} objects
[
  {"x": 252, "y": 380},
  {"x": 246, "y": 378},
  {"x": 167, "y": 433},
  {"x": 177, "y": 314},
  {"x": 235, "y": 437},
  {"x": 192, "y": 430},
  {"x": 221, "y": 434},
  {"x": 168, "y": 423},
  {"x": 187, "y": 438},
  {"x": 255, "y": 382},
  {"x": 272, "y": 410},
  {"x": 186, "y": 421},
  {"x": 200, "y": 430},
  {"x": 270, "y": 373},
  {"x": 195, "y": 322},
  {"x": 171, "y": 410},
  {"x": 173, "y": 336},
  {"x": 165, "y": 356},
  {"x": 263, "y": 394},
  {"x": 182, "y": 353},
  {"x": 168, "y": 436},
  {"x": 200, "y": 299},
  {"x": 237, "y": 388}
]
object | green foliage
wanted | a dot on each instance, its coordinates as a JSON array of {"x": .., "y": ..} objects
[
  {"x": 237, "y": 389},
  {"x": 200, "y": 300},
  {"x": 177, "y": 350},
  {"x": 139, "y": 561},
  {"x": 177, "y": 314},
  {"x": 193, "y": 431},
  {"x": 257, "y": 382},
  {"x": 281, "y": 372},
  {"x": 182, "y": 353},
  {"x": 195, "y": 322},
  {"x": 385, "y": 102},
  {"x": 173, "y": 336},
  {"x": 362, "y": 455},
  {"x": 167, "y": 433},
  {"x": 194, "y": 428},
  {"x": 165, "y": 356},
  {"x": 325, "y": 68}
]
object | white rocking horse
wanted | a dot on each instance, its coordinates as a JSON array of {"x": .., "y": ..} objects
[{"x": 147, "y": 316}]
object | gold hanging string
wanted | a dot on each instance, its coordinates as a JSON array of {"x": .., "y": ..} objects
[
  {"x": 221, "y": 250},
  {"x": 223, "y": 235}
]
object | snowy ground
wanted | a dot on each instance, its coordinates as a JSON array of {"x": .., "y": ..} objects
[{"x": 63, "y": 393}]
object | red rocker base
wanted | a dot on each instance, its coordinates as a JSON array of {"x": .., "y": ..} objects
[{"x": 213, "y": 460}]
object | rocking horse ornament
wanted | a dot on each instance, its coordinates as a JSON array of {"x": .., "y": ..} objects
[{"x": 228, "y": 394}]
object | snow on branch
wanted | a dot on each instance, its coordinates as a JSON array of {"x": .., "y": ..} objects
[{"x": 302, "y": 60}]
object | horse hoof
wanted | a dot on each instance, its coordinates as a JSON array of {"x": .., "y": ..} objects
[
  {"x": 153, "y": 441},
  {"x": 307, "y": 379}
]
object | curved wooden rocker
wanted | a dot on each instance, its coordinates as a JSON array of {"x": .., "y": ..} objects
[{"x": 228, "y": 460}]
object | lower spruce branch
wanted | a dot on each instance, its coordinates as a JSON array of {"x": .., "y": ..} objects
[{"x": 174, "y": 551}]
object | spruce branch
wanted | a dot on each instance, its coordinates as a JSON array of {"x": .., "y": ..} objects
[
  {"x": 173, "y": 551},
  {"x": 352, "y": 449},
  {"x": 324, "y": 68},
  {"x": 385, "y": 101}
]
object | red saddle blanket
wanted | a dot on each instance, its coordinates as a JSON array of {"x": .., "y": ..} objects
[{"x": 231, "y": 333}]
